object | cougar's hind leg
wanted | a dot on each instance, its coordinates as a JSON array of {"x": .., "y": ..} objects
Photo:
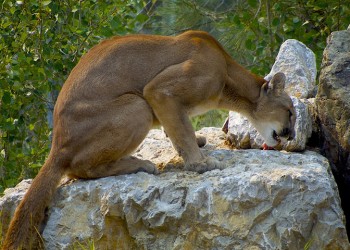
[
  {"x": 116, "y": 131},
  {"x": 126, "y": 165}
]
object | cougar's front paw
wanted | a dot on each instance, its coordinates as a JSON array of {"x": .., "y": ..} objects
[
  {"x": 201, "y": 140},
  {"x": 203, "y": 166}
]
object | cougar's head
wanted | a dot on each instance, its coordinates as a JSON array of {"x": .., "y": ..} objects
[{"x": 274, "y": 117}]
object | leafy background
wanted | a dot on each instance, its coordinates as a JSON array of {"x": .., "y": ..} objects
[{"x": 41, "y": 41}]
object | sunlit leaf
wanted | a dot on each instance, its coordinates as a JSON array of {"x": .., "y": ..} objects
[{"x": 45, "y": 3}]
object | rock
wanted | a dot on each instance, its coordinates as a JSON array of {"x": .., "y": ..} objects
[
  {"x": 262, "y": 200},
  {"x": 310, "y": 103},
  {"x": 333, "y": 108},
  {"x": 333, "y": 99},
  {"x": 9, "y": 202},
  {"x": 243, "y": 135},
  {"x": 337, "y": 47},
  {"x": 298, "y": 63}
]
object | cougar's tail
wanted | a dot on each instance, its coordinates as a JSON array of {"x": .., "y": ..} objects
[{"x": 23, "y": 232}]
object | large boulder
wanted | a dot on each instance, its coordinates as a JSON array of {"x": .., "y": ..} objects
[
  {"x": 333, "y": 98},
  {"x": 333, "y": 108},
  {"x": 262, "y": 200},
  {"x": 298, "y": 63}
]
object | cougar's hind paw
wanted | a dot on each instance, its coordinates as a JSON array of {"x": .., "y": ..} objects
[{"x": 149, "y": 167}]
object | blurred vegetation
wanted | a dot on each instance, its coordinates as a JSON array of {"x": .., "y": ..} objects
[{"x": 41, "y": 41}]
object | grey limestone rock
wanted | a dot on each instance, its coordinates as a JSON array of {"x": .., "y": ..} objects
[
  {"x": 261, "y": 200},
  {"x": 298, "y": 63},
  {"x": 333, "y": 109}
]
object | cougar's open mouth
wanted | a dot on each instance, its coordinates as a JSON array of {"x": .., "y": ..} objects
[{"x": 275, "y": 136}]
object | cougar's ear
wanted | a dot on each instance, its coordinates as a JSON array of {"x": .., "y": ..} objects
[
  {"x": 274, "y": 86},
  {"x": 277, "y": 83},
  {"x": 264, "y": 89}
]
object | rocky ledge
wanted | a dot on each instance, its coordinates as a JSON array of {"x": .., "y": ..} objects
[{"x": 262, "y": 200}]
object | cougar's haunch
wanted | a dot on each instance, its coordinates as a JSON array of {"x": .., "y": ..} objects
[{"x": 126, "y": 85}]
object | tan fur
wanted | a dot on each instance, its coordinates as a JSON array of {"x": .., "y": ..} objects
[{"x": 126, "y": 85}]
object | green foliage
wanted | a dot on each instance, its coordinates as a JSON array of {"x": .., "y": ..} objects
[
  {"x": 308, "y": 244},
  {"x": 42, "y": 40},
  {"x": 213, "y": 118},
  {"x": 253, "y": 30},
  {"x": 89, "y": 245}
]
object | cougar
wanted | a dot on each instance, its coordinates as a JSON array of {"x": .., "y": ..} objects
[{"x": 126, "y": 85}]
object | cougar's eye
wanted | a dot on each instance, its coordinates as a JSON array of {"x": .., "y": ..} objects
[{"x": 290, "y": 113}]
